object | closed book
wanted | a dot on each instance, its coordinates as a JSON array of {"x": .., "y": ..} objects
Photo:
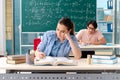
[
  {"x": 104, "y": 61},
  {"x": 103, "y": 56},
  {"x": 15, "y": 61},
  {"x": 104, "y": 52},
  {"x": 16, "y": 57}
]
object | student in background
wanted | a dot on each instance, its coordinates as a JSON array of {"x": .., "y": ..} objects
[
  {"x": 90, "y": 36},
  {"x": 59, "y": 43}
]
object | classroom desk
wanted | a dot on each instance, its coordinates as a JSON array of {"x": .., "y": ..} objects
[
  {"x": 94, "y": 47},
  {"x": 82, "y": 67}
]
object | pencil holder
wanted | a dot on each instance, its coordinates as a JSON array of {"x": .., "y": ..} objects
[{"x": 29, "y": 58}]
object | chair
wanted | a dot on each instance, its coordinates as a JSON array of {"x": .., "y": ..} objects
[{"x": 36, "y": 42}]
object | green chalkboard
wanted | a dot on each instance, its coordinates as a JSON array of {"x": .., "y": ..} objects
[{"x": 43, "y": 15}]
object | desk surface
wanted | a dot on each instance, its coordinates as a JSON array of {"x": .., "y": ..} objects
[
  {"x": 95, "y": 47},
  {"x": 101, "y": 46},
  {"x": 82, "y": 65}
]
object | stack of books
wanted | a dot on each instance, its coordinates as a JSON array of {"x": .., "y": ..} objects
[
  {"x": 104, "y": 52},
  {"x": 104, "y": 57},
  {"x": 16, "y": 59}
]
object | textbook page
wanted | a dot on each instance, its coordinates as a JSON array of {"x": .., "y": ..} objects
[{"x": 55, "y": 61}]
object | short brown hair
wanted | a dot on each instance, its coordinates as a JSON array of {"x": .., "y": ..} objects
[{"x": 93, "y": 22}]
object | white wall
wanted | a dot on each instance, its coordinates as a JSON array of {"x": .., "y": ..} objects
[{"x": 2, "y": 28}]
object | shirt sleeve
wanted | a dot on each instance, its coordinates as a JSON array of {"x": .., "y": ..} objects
[
  {"x": 79, "y": 34},
  {"x": 100, "y": 35},
  {"x": 42, "y": 44}
]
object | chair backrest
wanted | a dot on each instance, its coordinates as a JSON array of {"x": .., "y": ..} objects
[{"x": 36, "y": 42}]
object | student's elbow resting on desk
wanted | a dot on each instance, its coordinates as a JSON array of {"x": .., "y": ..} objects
[
  {"x": 78, "y": 55},
  {"x": 103, "y": 41},
  {"x": 100, "y": 42}
]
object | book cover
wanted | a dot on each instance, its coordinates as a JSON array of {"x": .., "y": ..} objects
[
  {"x": 16, "y": 57},
  {"x": 54, "y": 61},
  {"x": 15, "y": 61},
  {"x": 103, "y": 57},
  {"x": 105, "y": 61}
]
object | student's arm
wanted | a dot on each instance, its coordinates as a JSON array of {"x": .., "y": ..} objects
[
  {"x": 75, "y": 49},
  {"x": 42, "y": 45},
  {"x": 101, "y": 41},
  {"x": 79, "y": 36}
]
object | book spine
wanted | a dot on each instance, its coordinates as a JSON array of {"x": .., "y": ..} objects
[
  {"x": 100, "y": 61},
  {"x": 103, "y": 57}
]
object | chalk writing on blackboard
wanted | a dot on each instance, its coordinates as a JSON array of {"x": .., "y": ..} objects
[{"x": 43, "y": 15}]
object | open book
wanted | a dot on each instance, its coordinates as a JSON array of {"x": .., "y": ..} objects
[{"x": 55, "y": 61}]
